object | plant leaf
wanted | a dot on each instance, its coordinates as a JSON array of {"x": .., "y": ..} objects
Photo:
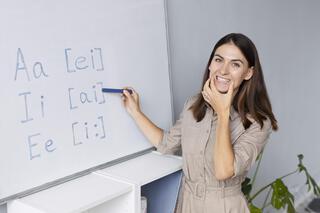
[
  {"x": 254, "y": 209},
  {"x": 291, "y": 208},
  {"x": 281, "y": 197},
  {"x": 246, "y": 187},
  {"x": 310, "y": 182}
]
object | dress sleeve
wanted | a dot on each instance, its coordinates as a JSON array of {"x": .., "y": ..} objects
[
  {"x": 171, "y": 140},
  {"x": 249, "y": 145}
]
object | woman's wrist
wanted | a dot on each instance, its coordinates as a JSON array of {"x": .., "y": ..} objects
[
  {"x": 224, "y": 115},
  {"x": 136, "y": 114}
]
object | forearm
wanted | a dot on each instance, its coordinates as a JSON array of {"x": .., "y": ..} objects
[
  {"x": 153, "y": 133},
  {"x": 223, "y": 153}
]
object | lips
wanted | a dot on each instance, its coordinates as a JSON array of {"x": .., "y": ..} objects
[{"x": 222, "y": 80}]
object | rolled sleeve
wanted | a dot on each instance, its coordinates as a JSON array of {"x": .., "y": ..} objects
[
  {"x": 249, "y": 145},
  {"x": 171, "y": 140}
]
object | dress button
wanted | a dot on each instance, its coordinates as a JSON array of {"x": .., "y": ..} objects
[{"x": 207, "y": 131}]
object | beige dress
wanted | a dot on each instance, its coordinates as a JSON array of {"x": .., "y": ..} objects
[{"x": 200, "y": 191}]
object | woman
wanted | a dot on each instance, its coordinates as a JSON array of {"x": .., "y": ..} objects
[{"x": 221, "y": 130}]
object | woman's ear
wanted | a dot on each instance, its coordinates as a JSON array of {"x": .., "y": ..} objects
[{"x": 249, "y": 73}]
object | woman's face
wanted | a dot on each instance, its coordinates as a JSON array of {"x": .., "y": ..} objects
[{"x": 228, "y": 64}]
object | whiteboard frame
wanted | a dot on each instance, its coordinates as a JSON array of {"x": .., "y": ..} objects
[{"x": 110, "y": 163}]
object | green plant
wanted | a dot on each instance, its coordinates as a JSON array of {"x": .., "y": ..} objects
[{"x": 281, "y": 197}]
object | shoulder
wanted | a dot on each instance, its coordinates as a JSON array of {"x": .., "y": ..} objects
[
  {"x": 266, "y": 125},
  {"x": 191, "y": 100},
  {"x": 186, "y": 112}
]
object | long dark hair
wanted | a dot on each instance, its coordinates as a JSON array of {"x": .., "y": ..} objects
[{"x": 252, "y": 97}]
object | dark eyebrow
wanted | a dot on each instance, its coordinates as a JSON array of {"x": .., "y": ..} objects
[{"x": 231, "y": 60}]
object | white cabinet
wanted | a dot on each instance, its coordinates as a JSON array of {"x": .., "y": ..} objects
[{"x": 116, "y": 189}]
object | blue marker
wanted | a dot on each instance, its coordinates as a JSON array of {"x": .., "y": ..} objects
[{"x": 110, "y": 90}]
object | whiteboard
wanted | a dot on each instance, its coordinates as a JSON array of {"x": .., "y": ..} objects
[{"x": 55, "y": 57}]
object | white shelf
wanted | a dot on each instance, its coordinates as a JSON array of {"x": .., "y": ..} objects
[
  {"x": 144, "y": 169},
  {"x": 77, "y": 195},
  {"x": 116, "y": 189}
]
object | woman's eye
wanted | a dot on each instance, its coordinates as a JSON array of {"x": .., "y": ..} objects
[
  {"x": 217, "y": 60},
  {"x": 236, "y": 65}
]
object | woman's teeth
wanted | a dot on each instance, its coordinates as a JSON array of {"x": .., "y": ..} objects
[{"x": 222, "y": 80}]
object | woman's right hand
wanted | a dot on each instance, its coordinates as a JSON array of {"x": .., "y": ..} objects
[{"x": 131, "y": 102}]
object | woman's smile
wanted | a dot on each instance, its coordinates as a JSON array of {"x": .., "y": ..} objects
[{"x": 221, "y": 83}]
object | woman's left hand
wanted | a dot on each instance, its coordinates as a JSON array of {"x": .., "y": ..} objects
[{"x": 220, "y": 102}]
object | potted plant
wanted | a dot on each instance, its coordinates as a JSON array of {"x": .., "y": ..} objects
[{"x": 281, "y": 197}]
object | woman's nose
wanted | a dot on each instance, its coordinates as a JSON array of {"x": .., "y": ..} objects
[{"x": 224, "y": 69}]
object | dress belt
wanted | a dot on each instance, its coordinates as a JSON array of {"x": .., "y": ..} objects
[{"x": 200, "y": 190}]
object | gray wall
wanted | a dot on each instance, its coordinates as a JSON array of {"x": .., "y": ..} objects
[{"x": 286, "y": 34}]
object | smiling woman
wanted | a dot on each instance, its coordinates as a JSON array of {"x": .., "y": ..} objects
[
  {"x": 221, "y": 130},
  {"x": 229, "y": 65}
]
